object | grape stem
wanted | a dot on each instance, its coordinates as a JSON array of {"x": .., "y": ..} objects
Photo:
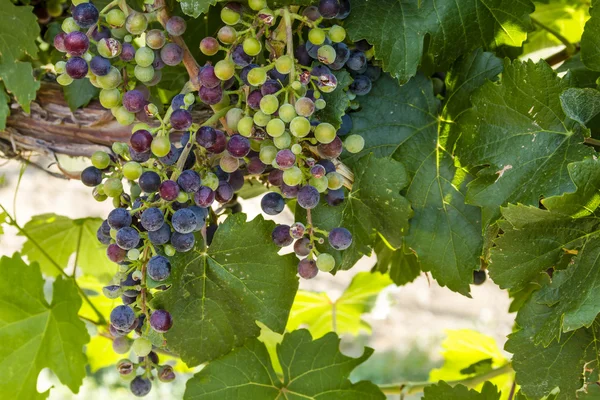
[{"x": 290, "y": 42}]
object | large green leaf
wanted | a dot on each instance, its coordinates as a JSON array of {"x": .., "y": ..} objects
[
  {"x": 35, "y": 334},
  {"x": 80, "y": 93},
  {"x": 312, "y": 369},
  {"x": 218, "y": 293},
  {"x": 520, "y": 133},
  {"x": 397, "y": 28},
  {"x": 319, "y": 314},
  {"x": 402, "y": 264},
  {"x": 60, "y": 237},
  {"x": 443, "y": 391},
  {"x": 590, "y": 40},
  {"x": 4, "y": 108},
  {"x": 581, "y": 105},
  {"x": 578, "y": 74}
]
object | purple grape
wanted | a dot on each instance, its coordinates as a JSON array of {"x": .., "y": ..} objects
[
  {"x": 100, "y": 65},
  {"x": 207, "y": 77},
  {"x": 137, "y": 156},
  {"x": 335, "y": 197},
  {"x": 210, "y": 96},
  {"x": 168, "y": 190},
  {"x": 224, "y": 192},
  {"x": 277, "y": 76},
  {"x": 308, "y": 197},
  {"x": 373, "y": 73},
  {"x": 91, "y": 176},
  {"x": 344, "y": 9},
  {"x": 115, "y": 253},
  {"x": 122, "y": 317},
  {"x": 171, "y": 157},
  {"x": 220, "y": 143},
  {"x": 134, "y": 101},
  {"x": 158, "y": 63},
  {"x": 206, "y": 136},
  {"x": 245, "y": 71},
  {"x": 76, "y": 43},
  {"x": 239, "y": 57},
  {"x": 127, "y": 52},
  {"x": 160, "y": 236},
  {"x": 59, "y": 42},
  {"x": 302, "y": 247},
  {"x": 102, "y": 237},
  {"x": 85, "y": 15},
  {"x": 331, "y": 150},
  {"x": 161, "y": 321},
  {"x": 171, "y": 54},
  {"x": 276, "y": 177},
  {"x": 181, "y": 119},
  {"x": 99, "y": 33},
  {"x": 357, "y": 60},
  {"x": 361, "y": 86},
  {"x": 140, "y": 387},
  {"x": 285, "y": 159},
  {"x": 177, "y": 102},
  {"x": 307, "y": 269},
  {"x": 149, "y": 181},
  {"x": 183, "y": 242},
  {"x": 327, "y": 80},
  {"x": 222, "y": 175},
  {"x": 152, "y": 219},
  {"x": 189, "y": 181},
  {"x": 201, "y": 214},
  {"x": 289, "y": 192},
  {"x": 159, "y": 268},
  {"x": 255, "y": 166},
  {"x": 302, "y": 55},
  {"x": 176, "y": 26},
  {"x": 318, "y": 171},
  {"x": 105, "y": 228},
  {"x": 312, "y": 50},
  {"x": 329, "y": 8},
  {"x": 254, "y": 99},
  {"x": 238, "y": 146},
  {"x": 127, "y": 238},
  {"x": 119, "y": 218},
  {"x": 340, "y": 238},
  {"x": 184, "y": 221},
  {"x": 271, "y": 86},
  {"x": 281, "y": 236},
  {"x": 76, "y": 67},
  {"x": 272, "y": 203},
  {"x": 204, "y": 197},
  {"x": 312, "y": 13},
  {"x": 328, "y": 165},
  {"x": 236, "y": 180}
]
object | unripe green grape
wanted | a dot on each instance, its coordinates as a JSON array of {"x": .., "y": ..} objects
[
  {"x": 267, "y": 154},
  {"x": 133, "y": 254},
  {"x": 64, "y": 80},
  {"x": 152, "y": 109},
  {"x": 320, "y": 104},
  {"x": 139, "y": 126},
  {"x": 284, "y": 64},
  {"x": 121, "y": 345},
  {"x": 354, "y": 143},
  {"x": 351, "y": 96},
  {"x": 233, "y": 117},
  {"x": 87, "y": 56},
  {"x": 98, "y": 196},
  {"x": 337, "y": 34},
  {"x": 224, "y": 69},
  {"x": 261, "y": 119},
  {"x": 227, "y": 35},
  {"x": 123, "y": 116},
  {"x": 93, "y": 80},
  {"x": 210, "y": 180},
  {"x": 319, "y": 183},
  {"x": 135, "y": 190},
  {"x": 296, "y": 86},
  {"x": 325, "y": 133},
  {"x": 60, "y": 67},
  {"x": 229, "y": 163},
  {"x": 120, "y": 148},
  {"x": 275, "y": 127},
  {"x": 257, "y": 5},
  {"x": 316, "y": 36},
  {"x": 252, "y": 46},
  {"x": 55, "y": 10},
  {"x": 118, "y": 33},
  {"x": 325, "y": 262},
  {"x": 269, "y": 104},
  {"x": 287, "y": 113},
  {"x": 109, "y": 48},
  {"x": 283, "y": 141},
  {"x": 255, "y": 145},
  {"x": 292, "y": 176},
  {"x": 225, "y": 101},
  {"x": 100, "y": 159},
  {"x": 113, "y": 187},
  {"x": 113, "y": 233},
  {"x": 132, "y": 170},
  {"x": 182, "y": 197},
  {"x": 189, "y": 99},
  {"x": 144, "y": 56},
  {"x": 305, "y": 107},
  {"x": 143, "y": 74},
  {"x": 296, "y": 149},
  {"x": 257, "y": 76},
  {"x": 141, "y": 347},
  {"x": 334, "y": 180},
  {"x": 209, "y": 46},
  {"x": 229, "y": 16},
  {"x": 69, "y": 25},
  {"x": 300, "y": 127},
  {"x": 265, "y": 143},
  {"x": 115, "y": 18},
  {"x": 267, "y": 16},
  {"x": 161, "y": 145},
  {"x": 136, "y": 23},
  {"x": 155, "y": 39},
  {"x": 245, "y": 126},
  {"x": 169, "y": 250},
  {"x": 326, "y": 54},
  {"x": 77, "y": 2}
]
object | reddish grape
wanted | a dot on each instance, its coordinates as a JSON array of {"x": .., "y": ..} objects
[
  {"x": 171, "y": 54},
  {"x": 224, "y": 192},
  {"x": 307, "y": 269},
  {"x": 59, "y": 42},
  {"x": 285, "y": 159},
  {"x": 161, "y": 321},
  {"x": 255, "y": 166},
  {"x": 206, "y": 136},
  {"x": 289, "y": 192},
  {"x": 181, "y": 119},
  {"x": 204, "y": 197},
  {"x": 281, "y": 236},
  {"x": 302, "y": 247},
  {"x": 238, "y": 146},
  {"x": 331, "y": 150},
  {"x": 134, "y": 101},
  {"x": 210, "y": 96},
  {"x": 141, "y": 140},
  {"x": 76, "y": 67},
  {"x": 276, "y": 177},
  {"x": 115, "y": 253},
  {"x": 207, "y": 77},
  {"x": 168, "y": 190},
  {"x": 329, "y": 8},
  {"x": 76, "y": 43},
  {"x": 219, "y": 144},
  {"x": 176, "y": 26},
  {"x": 209, "y": 46}
]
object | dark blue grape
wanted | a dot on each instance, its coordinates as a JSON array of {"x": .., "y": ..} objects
[
  {"x": 479, "y": 277},
  {"x": 127, "y": 52},
  {"x": 346, "y": 127},
  {"x": 189, "y": 181},
  {"x": 127, "y": 238},
  {"x": 112, "y": 291},
  {"x": 236, "y": 180},
  {"x": 171, "y": 157},
  {"x": 363, "y": 45},
  {"x": 159, "y": 268},
  {"x": 271, "y": 86},
  {"x": 254, "y": 99},
  {"x": 152, "y": 219},
  {"x": 137, "y": 156},
  {"x": 272, "y": 203},
  {"x": 344, "y": 9},
  {"x": 201, "y": 214},
  {"x": 329, "y": 166},
  {"x": 102, "y": 237},
  {"x": 308, "y": 197},
  {"x": 238, "y": 146},
  {"x": 342, "y": 54},
  {"x": 357, "y": 60},
  {"x": 91, "y": 176},
  {"x": 122, "y": 317},
  {"x": 99, "y": 33},
  {"x": 85, "y": 15},
  {"x": 160, "y": 236},
  {"x": 361, "y": 86},
  {"x": 149, "y": 181},
  {"x": 222, "y": 175},
  {"x": 177, "y": 102},
  {"x": 206, "y": 136},
  {"x": 100, "y": 65},
  {"x": 281, "y": 236},
  {"x": 184, "y": 221},
  {"x": 239, "y": 56},
  {"x": 119, "y": 218},
  {"x": 373, "y": 72},
  {"x": 183, "y": 242},
  {"x": 128, "y": 282},
  {"x": 301, "y": 54},
  {"x": 181, "y": 120},
  {"x": 335, "y": 197},
  {"x": 329, "y": 8},
  {"x": 105, "y": 228},
  {"x": 140, "y": 387},
  {"x": 312, "y": 49},
  {"x": 278, "y": 76},
  {"x": 210, "y": 233},
  {"x": 340, "y": 238},
  {"x": 185, "y": 138}
]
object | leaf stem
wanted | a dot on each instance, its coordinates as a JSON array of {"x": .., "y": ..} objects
[
  {"x": 592, "y": 141},
  {"x": 568, "y": 45}
]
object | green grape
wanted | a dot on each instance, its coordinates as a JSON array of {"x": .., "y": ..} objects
[
  {"x": 233, "y": 118},
  {"x": 227, "y": 35},
  {"x": 257, "y": 5},
  {"x": 316, "y": 36},
  {"x": 169, "y": 251},
  {"x": 229, "y": 16},
  {"x": 325, "y": 262},
  {"x": 284, "y": 64},
  {"x": 141, "y": 347},
  {"x": 113, "y": 187},
  {"x": 69, "y": 25},
  {"x": 296, "y": 149},
  {"x": 133, "y": 254},
  {"x": 224, "y": 69},
  {"x": 152, "y": 109},
  {"x": 300, "y": 127},
  {"x": 245, "y": 126},
  {"x": 257, "y": 76},
  {"x": 267, "y": 154},
  {"x": 155, "y": 39},
  {"x": 320, "y": 104},
  {"x": 113, "y": 233},
  {"x": 143, "y": 74},
  {"x": 225, "y": 101},
  {"x": 229, "y": 163},
  {"x": 297, "y": 86},
  {"x": 60, "y": 67},
  {"x": 292, "y": 176},
  {"x": 77, "y": 2},
  {"x": 326, "y": 54},
  {"x": 255, "y": 144},
  {"x": 161, "y": 145},
  {"x": 337, "y": 34},
  {"x": 287, "y": 113},
  {"x": 111, "y": 80},
  {"x": 123, "y": 116},
  {"x": 87, "y": 56},
  {"x": 64, "y": 80},
  {"x": 354, "y": 143},
  {"x": 55, "y": 10},
  {"x": 334, "y": 180},
  {"x": 275, "y": 127},
  {"x": 136, "y": 23},
  {"x": 266, "y": 142},
  {"x": 182, "y": 197},
  {"x": 351, "y": 96},
  {"x": 100, "y": 159},
  {"x": 120, "y": 148},
  {"x": 325, "y": 133},
  {"x": 210, "y": 180},
  {"x": 93, "y": 80},
  {"x": 261, "y": 119},
  {"x": 139, "y": 126},
  {"x": 132, "y": 170},
  {"x": 305, "y": 107},
  {"x": 252, "y": 46},
  {"x": 269, "y": 104},
  {"x": 284, "y": 141},
  {"x": 115, "y": 18},
  {"x": 135, "y": 190},
  {"x": 189, "y": 99},
  {"x": 319, "y": 183},
  {"x": 144, "y": 56}
]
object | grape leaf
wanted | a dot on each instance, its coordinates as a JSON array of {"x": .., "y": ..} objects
[
  {"x": 218, "y": 293},
  {"x": 312, "y": 369},
  {"x": 80, "y": 93},
  {"x": 590, "y": 40},
  {"x": 520, "y": 133},
  {"x": 4, "y": 108},
  {"x": 60, "y": 237},
  {"x": 578, "y": 75},
  {"x": 337, "y": 101},
  {"x": 194, "y": 8},
  {"x": 402, "y": 265},
  {"x": 580, "y": 105},
  {"x": 443, "y": 391},
  {"x": 319, "y": 314},
  {"x": 35, "y": 334},
  {"x": 397, "y": 29},
  {"x": 405, "y": 123}
]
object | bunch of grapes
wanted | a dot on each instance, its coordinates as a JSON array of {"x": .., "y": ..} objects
[{"x": 266, "y": 92}]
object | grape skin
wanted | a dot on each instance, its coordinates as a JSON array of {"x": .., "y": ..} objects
[
  {"x": 127, "y": 238},
  {"x": 184, "y": 221},
  {"x": 152, "y": 219},
  {"x": 281, "y": 236},
  {"x": 272, "y": 203},
  {"x": 340, "y": 238},
  {"x": 183, "y": 242},
  {"x": 159, "y": 268},
  {"x": 161, "y": 321}
]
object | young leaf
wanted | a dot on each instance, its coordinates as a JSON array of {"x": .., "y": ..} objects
[
  {"x": 35, "y": 334},
  {"x": 590, "y": 40},
  {"x": 320, "y": 314},
  {"x": 218, "y": 293},
  {"x": 312, "y": 369},
  {"x": 397, "y": 29},
  {"x": 443, "y": 391}
]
